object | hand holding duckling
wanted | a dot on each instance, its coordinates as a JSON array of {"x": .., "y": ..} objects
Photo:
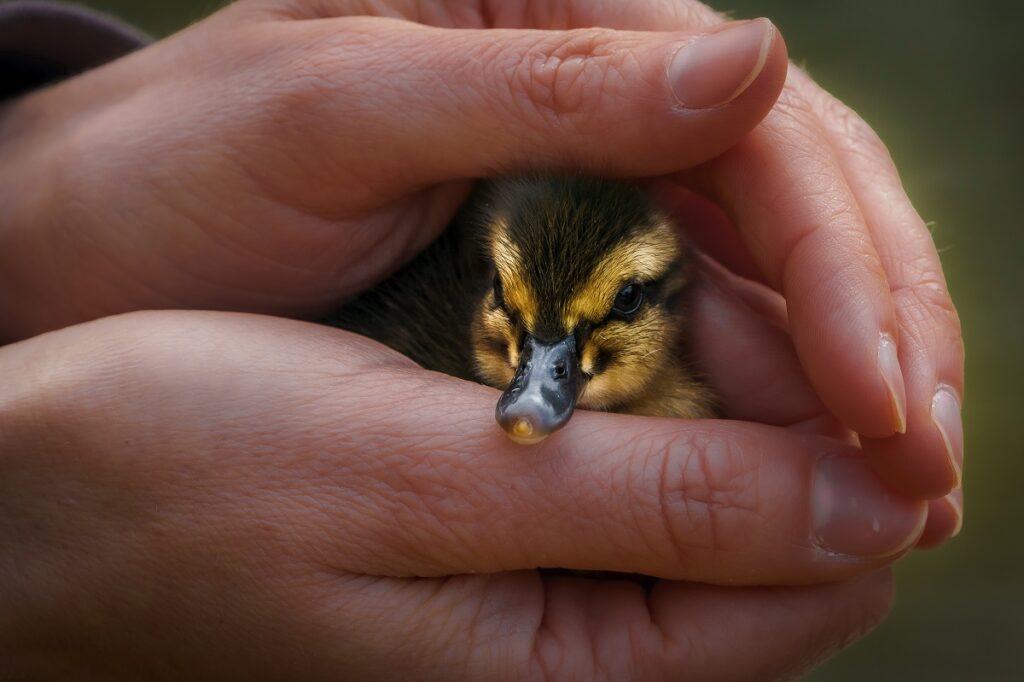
[
  {"x": 248, "y": 497},
  {"x": 308, "y": 155}
]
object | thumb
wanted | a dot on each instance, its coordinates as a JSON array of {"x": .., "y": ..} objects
[{"x": 422, "y": 104}]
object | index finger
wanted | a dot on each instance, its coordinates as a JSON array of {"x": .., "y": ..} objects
[
  {"x": 388, "y": 469},
  {"x": 714, "y": 501},
  {"x": 803, "y": 226},
  {"x": 403, "y": 472}
]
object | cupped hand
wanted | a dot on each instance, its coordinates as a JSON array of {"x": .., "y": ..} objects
[
  {"x": 280, "y": 156},
  {"x": 234, "y": 495},
  {"x": 276, "y": 159}
]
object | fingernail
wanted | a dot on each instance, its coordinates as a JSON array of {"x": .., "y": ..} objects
[
  {"x": 958, "y": 510},
  {"x": 855, "y": 515},
  {"x": 892, "y": 375},
  {"x": 715, "y": 69},
  {"x": 946, "y": 417}
]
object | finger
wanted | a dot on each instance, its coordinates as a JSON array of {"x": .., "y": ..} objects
[
  {"x": 737, "y": 316},
  {"x": 522, "y": 625},
  {"x": 424, "y": 104},
  {"x": 410, "y": 466},
  {"x": 714, "y": 501},
  {"x": 708, "y": 228},
  {"x": 771, "y": 622},
  {"x": 804, "y": 229},
  {"x": 945, "y": 520},
  {"x": 557, "y": 15},
  {"x": 769, "y": 386},
  {"x": 927, "y": 460}
]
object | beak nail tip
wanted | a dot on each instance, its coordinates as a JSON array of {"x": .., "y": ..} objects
[{"x": 522, "y": 428}]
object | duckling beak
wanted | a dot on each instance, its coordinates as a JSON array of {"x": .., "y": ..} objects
[{"x": 543, "y": 392}]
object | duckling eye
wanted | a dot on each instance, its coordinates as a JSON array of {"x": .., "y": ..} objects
[
  {"x": 499, "y": 293},
  {"x": 629, "y": 298}
]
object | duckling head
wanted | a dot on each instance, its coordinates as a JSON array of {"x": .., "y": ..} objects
[{"x": 583, "y": 306}]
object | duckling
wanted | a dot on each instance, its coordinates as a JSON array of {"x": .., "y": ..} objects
[{"x": 560, "y": 291}]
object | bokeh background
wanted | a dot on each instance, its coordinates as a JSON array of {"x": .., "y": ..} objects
[{"x": 942, "y": 81}]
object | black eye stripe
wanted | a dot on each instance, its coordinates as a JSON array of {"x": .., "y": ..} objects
[
  {"x": 499, "y": 293},
  {"x": 495, "y": 344},
  {"x": 652, "y": 291}
]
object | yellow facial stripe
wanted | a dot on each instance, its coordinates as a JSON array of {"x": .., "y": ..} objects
[
  {"x": 519, "y": 296},
  {"x": 588, "y": 358},
  {"x": 645, "y": 257},
  {"x": 494, "y": 344},
  {"x": 636, "y": 351}
]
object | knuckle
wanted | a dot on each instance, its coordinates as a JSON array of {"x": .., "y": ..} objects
[
  {"x": 814, "y": 103},
  {"x": 78, "y": 390},
  {"x": 925, "y": 307},
  {"x": 434, "y": 497},
  {"x": 326, "y": 70},
  {"x": 705, "y": 496},
  {"x": 565, "y": 76},
  {"x": 810, "y": 258},
  {"x": 791, "y": 111},
  {"x": 855, "y": 135},
  {"x": 116, "y": 351},
  {"x": 799, "y": 115}
]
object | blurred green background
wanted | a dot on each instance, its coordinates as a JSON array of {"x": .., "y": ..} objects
[{"x": 942, "y": 81}]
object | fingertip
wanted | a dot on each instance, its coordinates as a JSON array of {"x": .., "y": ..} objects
[
  {"x": 947, "y": 421},
  {"x": 892, "y": 376},
  {"x": 854, "y": 514},
  {"x": 857, "y": 376},
  {"x": 915, "y": 463},
  {"x": 945, "y": 521},
  {"x": 714, "y": 69},
  {"x": 925, "y": 462},
  {"x": 772, "y": 79}
]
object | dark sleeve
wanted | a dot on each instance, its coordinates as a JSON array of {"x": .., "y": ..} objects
[{"x": 42, "y": 42}]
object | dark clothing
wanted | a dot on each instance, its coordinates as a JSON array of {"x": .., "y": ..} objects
[{"x": 43, "y": 42}]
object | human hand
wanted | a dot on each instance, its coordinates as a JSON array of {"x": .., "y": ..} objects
[
  {"x": 815, "y": 209},
  {"x": 305, "y": 164},
  {"x": 238, "y": 496},
  {"x": 293, "y": 178},
  {"x": 267, "y": 161}
]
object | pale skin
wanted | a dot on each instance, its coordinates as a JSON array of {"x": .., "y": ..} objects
[{"x": 236, "y": 494}]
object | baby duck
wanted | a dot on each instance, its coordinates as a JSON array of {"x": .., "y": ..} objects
[{"x": 560, "y": 291}]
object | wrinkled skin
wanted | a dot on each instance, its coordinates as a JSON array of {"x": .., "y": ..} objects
[{"x": 236, "y": 495}]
